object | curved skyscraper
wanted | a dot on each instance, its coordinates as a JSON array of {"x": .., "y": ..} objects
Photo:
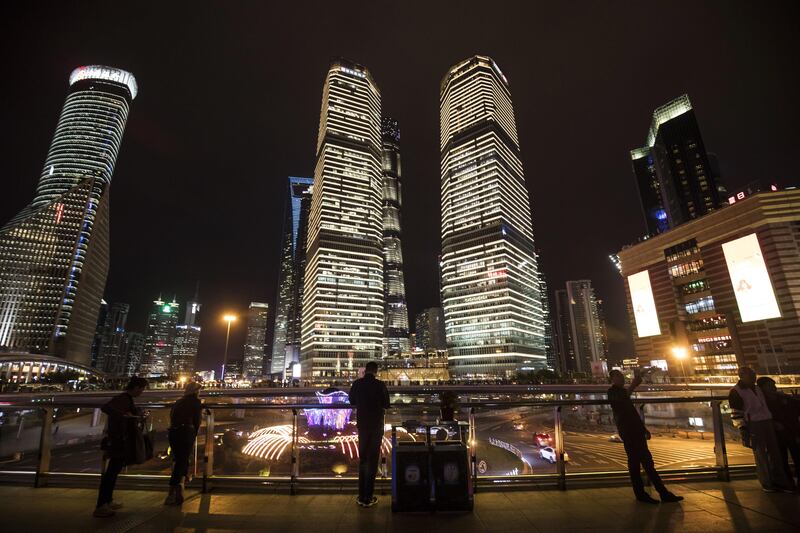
[
  {"x": 54, "y": 254},
  {"x": 490, "y": 281},
  {"x": 395, "y": 341},
  {"x": 343, "y": 301}
]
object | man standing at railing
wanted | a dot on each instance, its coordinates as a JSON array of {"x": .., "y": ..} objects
[
  {"x": 634, "y": 437},
  {"x": 370, "y": 397},
  {"x": 758, "y": 431}
]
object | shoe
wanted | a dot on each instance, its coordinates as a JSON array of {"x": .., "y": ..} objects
[
  {"x": 359, "y": 502},
  {"x": 646, "y": 498},
  {"x": 370, "y": 503},
  {"x": 115, "y": 505},
  {"x": 104, "y": 511},
  {"x": 769, "y": 490},
  {"x": 171, "y": 497},
  {"x": 670, "y": 498},
  {"x": 178, "y": 495}
]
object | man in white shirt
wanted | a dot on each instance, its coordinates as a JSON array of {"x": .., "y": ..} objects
[{"x": 750, "y": 406}]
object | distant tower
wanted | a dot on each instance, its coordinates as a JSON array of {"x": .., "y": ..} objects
[
  {"x": 343, "y": 302},
  {"x": 111, "y": 358},
  {"x": 395, "y": 340},
  {"x": 586, "y": 332},
  {"x": 430, "y": 334},
  {"x": 160, "y": 338},
  {"x": 133, "y": 351},
  {"x": 289, "y": 305},
  {"x": 184, "y": 352},
  {"x": 54, "y": 253},
  {"x": 255, "y": 346},
  {"x": 490, "y": 279}
]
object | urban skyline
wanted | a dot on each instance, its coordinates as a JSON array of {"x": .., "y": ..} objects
[{"x": 621, "y": 179}]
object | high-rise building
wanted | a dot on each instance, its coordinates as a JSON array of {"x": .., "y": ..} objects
[
  {"x": 255, "y": 345},
  {"x": 343, "y": 302},
  {"x": 395, "y": 340},
  {"x": 54, "y": 254},
  {"x": 549, "y": 350},
  {"x": 585, "y": 330},
  {"x": 133, "y": 351},
  {"x": 111, "y": 358},
  {"x": 289, "y": 305},
  {"x": 184, "y": 352},
  {"x": 160, "y": 338},
  {"x": 562, "y": 338},
  {"x": 97, "y": 341},
  {"x": 430, "y": 333},
  {"x": 677, "y": 179},
  {"x": 193, "y": 308},
  {"x": 490, "y": 279}
]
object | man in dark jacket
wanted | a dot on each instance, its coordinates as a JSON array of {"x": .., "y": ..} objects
[
  {"x": 370, "y": 397},
  {"x": 785, "y": 411},
  {"x": 123, "y": 417},
  {"x": 634, "y": 437}
]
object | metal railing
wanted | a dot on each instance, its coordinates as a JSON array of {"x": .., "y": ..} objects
[{"x": 565, "y": 426}]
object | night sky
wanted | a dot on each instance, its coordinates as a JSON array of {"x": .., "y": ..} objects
[{"x": 229, "y": 101}]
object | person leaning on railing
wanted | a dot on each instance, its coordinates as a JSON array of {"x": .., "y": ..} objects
[
  {"x": 751, "y": 413},
  {"x": 785, "y": 411},
  {"x": 184, "y": 424},
  {"x": 123, "y": 444}
]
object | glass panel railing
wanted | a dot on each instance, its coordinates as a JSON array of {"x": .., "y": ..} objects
[
  {"x": 77, "y": 433},
  {"x": 20, "y": 431},
  {"x": 251, "y": 442},
  {"x": 738, "y": 455}
]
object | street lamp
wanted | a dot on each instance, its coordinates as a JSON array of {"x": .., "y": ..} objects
[
  {"x": 680, "y": 354},
  {"x": 229, "y": 319}
]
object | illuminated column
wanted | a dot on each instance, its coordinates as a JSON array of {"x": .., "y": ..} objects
[
  {"x": 490, "y": 281},
  {"x": 343, "y": 301}
]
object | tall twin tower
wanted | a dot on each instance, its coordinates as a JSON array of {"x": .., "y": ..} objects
[{"x": 351, "y": 289}]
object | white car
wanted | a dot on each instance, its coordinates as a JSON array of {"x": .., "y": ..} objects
[{"x": 549, "y": 454}]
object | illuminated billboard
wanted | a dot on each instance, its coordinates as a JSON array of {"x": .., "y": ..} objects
[
  {"x": 750, "y": 280},
  {"x": 644, "y": 306}
]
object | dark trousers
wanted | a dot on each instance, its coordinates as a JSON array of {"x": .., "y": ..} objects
[
  {"x": 369, "y": 451},
  {"x": 789, "y": 444},
  {"x": 109, "y": 479},
  {"x": 181, "y": 440},
  {"x": 639, "y": 456}
]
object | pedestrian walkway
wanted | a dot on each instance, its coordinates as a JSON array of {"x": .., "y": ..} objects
[{"x": 710, "y": 507}]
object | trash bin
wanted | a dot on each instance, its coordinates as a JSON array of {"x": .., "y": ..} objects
[
  {"x": 411, "y": 485},
  {"x": 451, "y": 477}
]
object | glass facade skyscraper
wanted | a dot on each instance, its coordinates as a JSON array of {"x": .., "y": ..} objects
[
  {"x": 289, "y": 305},
  {"x": 110, "y": 357},
  {"x": 54, "y": 254},
  {"x": 184, "y": 351},
  {"x": 343, "y": 301},
  {"x": 255, "y": 345},
  {"x": 490, "y": 280},
  {"x": 395, "y": 341},
  {"x": 159, "y": 342},
  {"x": 678, "y": 180}
]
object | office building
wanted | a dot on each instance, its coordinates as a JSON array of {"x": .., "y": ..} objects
[
  {"x": 255, "y": 345},
  {"x": 490, "y": 280},
  {"x": 54, "y": 254},
  {"x": 160, "y": 338},
  {"x": 677, "y": 179},
  {"x": 430, "y": 333},
  {"x": 585, "y": 330},
  {"x": 111, "y": 358},
  {"x": 562, "y": 333},
  {"x": 133, "y": 351},
  {"x": 343, "y": 302},
  {"x": 184, "y": 352},
  {"x": 289, "y": 305},
  {"x": 720, "y": 291},
  {"x": 395, "y": 340},
  {"x": 97, "y": 341}
]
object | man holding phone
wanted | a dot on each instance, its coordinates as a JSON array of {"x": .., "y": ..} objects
[{"x": 634, "y": 437}]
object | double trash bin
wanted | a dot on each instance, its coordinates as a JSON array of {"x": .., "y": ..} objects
[{"x": 431, "y": 472}]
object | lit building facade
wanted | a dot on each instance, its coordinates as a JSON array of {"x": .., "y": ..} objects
[
  {"x": 343, "y": 300},
  {"x": 54, "y": 254},
  {"x": 490, "y": 280},
  {"x": 255, "y": 345},
  {"x": 585, "y": 329},
  {"x": 395, "y": 341},
  {"x": 430, "y": 335},
  {"x": 677, "y": 179},
  {"x": 562, "y": 333},
  {"x": 159, "y": 343},
  {"x": 133, "y": 350},
  {"x": 289, "y": 305},
  {"x": 720, "y": 290},
  {"x": 111, "y": 358},
  {"x": 184, "y": 352}
]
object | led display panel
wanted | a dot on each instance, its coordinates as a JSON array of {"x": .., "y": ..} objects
[
  {"x": 644, "y": 306},
  {"x": 751, "y": 284}
]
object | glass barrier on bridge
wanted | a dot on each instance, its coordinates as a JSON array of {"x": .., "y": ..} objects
[{"x": 20, "y": 431}]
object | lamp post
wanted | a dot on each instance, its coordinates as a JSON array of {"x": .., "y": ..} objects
[
  {"x": 680, "y": 354},
  {"x": 229, "y": 319}
]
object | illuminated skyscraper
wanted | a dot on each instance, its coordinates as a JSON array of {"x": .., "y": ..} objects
[
  {"x": 255, "y": 345},
  {"x": 677, "y": 179},
  {"x": 586, "y": 330},
  {"x": 395, "y": 341},
  {"x": 54, "y": 254},
  {"x": 159, "y": 340},
  {"x": 490, "y": 280},
  {"x": 289, "y": 305},
  {"x": 111, "y": 358},
  {"x": 133, "y": 350},
  {"x": 184, "y": 351},
  {"x": 430, "y": 334},
  {"x": 343, "y": 302}
]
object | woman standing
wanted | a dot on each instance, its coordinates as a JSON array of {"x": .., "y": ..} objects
[{"x": 184, "y": 424}]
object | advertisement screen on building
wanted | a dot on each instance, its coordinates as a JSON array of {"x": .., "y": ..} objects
[
  {"x": 644, "y": 306},
  {"x": 751, "y": 284}
]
